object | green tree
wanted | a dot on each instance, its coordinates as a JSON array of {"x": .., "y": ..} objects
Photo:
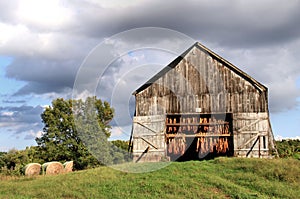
[
  {"x": 120, "y": 151},
  {"x": 73, "y": 129},
  {"x": 2, "y": 161},
  {"x": 92, "y": 124},
  {"x": 288, "y": 148},
  {"x": 13, "y": 162},
  {"x": 122, "y": 144}
]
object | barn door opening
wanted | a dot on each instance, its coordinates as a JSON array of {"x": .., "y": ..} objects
[{"x": 197, "y": 136}]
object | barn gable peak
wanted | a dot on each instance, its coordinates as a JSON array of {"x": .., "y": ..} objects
[{"x": 203, "y": 48}]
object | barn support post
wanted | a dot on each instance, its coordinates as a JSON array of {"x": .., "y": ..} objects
[
  {"x": 146, "y": 151},
  {"x": 259, "y": 137},
  {"x": 271, "y": 139},
  {"x": 253, "y": 145}
]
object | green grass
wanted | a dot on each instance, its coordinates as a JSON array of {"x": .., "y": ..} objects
[{"x": 219, "y": 178}]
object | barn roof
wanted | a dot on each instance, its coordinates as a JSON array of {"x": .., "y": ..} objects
[{"x": 198, "y": 45}]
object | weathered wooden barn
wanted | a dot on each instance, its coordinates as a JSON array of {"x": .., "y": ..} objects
[{"x": 201, "y": 106}]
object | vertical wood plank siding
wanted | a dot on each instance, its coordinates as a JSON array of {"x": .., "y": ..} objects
[{"x": 202, "y": 81}]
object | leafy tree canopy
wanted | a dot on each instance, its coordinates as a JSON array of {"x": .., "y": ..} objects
[
  {"x": 288, "y": 148},
  {"x": 75, "y": 127}
]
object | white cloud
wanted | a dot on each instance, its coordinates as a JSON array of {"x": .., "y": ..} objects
[
  {"x": 10, "y": 39},
  {"x": 21, "y": 119},
  {"x": 279, "y": 138},
  {"x": 116, "y": 3},
  {"x": 31, "y": 134},
  {"x": 83, "y": 95},
  {"x": 120, "y": 132},
  {"x": 116, "y": 131},
  {"x": 4, "y": 149},
  {"x": 50, "y": 14},
  {"x": 7, "y": 113}
]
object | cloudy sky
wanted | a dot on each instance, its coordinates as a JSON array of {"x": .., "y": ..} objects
[{"x": 43, "y": 45}]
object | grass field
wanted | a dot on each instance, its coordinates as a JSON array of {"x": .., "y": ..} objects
[{"x": 219, "y": 178}]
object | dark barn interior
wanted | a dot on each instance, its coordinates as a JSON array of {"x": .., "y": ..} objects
[{"x": 198, "y": 136}]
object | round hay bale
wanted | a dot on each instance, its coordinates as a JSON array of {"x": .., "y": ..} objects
[
  {"x": 68, "y": 166},
  {"x": 52, "y": 168},
  {"x": 32, "y": 169}
]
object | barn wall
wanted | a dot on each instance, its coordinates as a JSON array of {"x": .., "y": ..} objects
[{"x": 200, "y": 81}]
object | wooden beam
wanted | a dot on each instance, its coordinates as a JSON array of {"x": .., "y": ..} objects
[
  {"x": 146, "y": 127},
  {"x": 262, "y": 133},
  {"x": 148, "y": 142},
  {"x": 146, "y": 151},
  {"x": 244, "y": 127},
  {"x": 271, "y": 139},
  {"x": 197, "y": 135},
  {"x": 246, "y": 132},
  {"x": 196, "y": 124},
  {"x": 248, "y": 118},
  {"x": 253, "y": 147},
  {"x": 259, "y": 146},
  {"x": 250, "y": 140},
  {"x": 150, "y": 150}
]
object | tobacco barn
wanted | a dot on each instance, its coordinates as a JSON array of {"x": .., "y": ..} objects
[{"x": 201, "y": 106}]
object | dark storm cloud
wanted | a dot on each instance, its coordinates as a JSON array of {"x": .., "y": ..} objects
[
  {"x": 43, "y": 76},
  {"x": 21, "y": 119},
  {"x": 14, "y": 101},
  {"x": 230, "y": 23},
  {"x": 24, "y": 114}
]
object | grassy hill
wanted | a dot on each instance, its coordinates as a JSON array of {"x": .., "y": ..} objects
[{"x": 219, "y": 178}]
